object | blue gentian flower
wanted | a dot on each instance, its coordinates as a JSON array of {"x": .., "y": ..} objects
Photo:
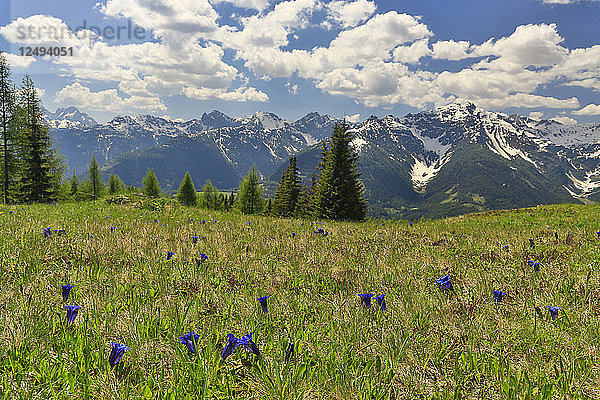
[
  {"x": 203, "y": 238},
  {"x": 249, "y": 223},
  {"x": 293, "y": 234},
  {"x": 505, "y": 247},
  {"x": 47, "y": 232},
  {"x": 247, "y": 342},
  {"x": 536, "y": 266},
  {"x": 289, "y": 353},
  {"x": 498, "y": 295},
  {"x": 66, "y": 290},
  {"x": 554, "y": 311},
  {"x": 531, "y": 243},
  {"x": 155, "y": 220},
  {"x": 229, "y": 347},
  {"x": 365, "y": 298},
  {"x": 381, "y": 301},
  {"x": 263, "y": 303},
  {"x": 117, "y": 353},
  {"x": 112, "y": 228},
  {"x": 188, "y": 339},
  {"x": 598, "y": 233},
  {"x": 203, "y": 221},
  {"x": 170, "y": 255},
  {"x": 411, "y": 223},
  {"x": 445, "y": 282},
  {"x": 556, "y": 235},
  {"x": 72, "y": 313},
  {"x": 59, "y": 232},
  {"x": 195, "y": 239},
  {"x": 190, "y": 220}
]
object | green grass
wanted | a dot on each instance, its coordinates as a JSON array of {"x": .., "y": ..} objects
[{"x": 428, "y": 344}]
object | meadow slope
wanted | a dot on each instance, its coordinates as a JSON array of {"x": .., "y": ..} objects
[{"x": 429, "y": 343}]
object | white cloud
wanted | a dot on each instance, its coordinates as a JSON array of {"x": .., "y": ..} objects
[
  {"x": 16, "y": 61},
  {"x": 413, "y": 53},
  {"x": 352, "y": 118},
  {"x": 349, "y": 14},
  {"x": 240, "y": 94},
  {"x": 590, "y": 109},
  {"x": 537, "y": 115},
  {"x": 564, "y": 120},
  {"x": 105, "y": 100},
  {"x": 450, "y": 50},
  {"x": 292, "y": 89},
  {"x": 524, "y": 100},
  {"x": 250, "y": 4},
  {"x": 590, "y": 83}
]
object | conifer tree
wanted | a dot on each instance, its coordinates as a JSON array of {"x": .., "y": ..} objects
[
  {"x": 8, "y": 119},
  {"x": 42, "y": 168},
  {"x": 339, "y": 194},
  {"x": 249, "y": 196},
  {"x": 210, "y": 196},
  {"x": 150, "y": 185},
  {"x": 186, "y": 194},
  {"x": 95, "y": 185},
  {"x": 288, "y": 191},
  {"x": 115, "y": 184},
  {"x": 74, "y": 186}
]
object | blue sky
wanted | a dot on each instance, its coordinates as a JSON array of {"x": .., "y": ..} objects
[{"x": 343, "y": 57}]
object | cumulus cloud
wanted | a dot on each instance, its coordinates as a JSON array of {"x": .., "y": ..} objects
[
  {"x": 349, "y": 14},
  {"x": 18, "y": 61},
  {"x": 352, "y": 118},
  {"x": 590, "y": 109},
  {"x": 524, "y": 100},
  {"x": 537, "y": 115},
  {"x": 106, "y": 100},
  {"x": 250, "y": 4},
  {"x": 564, "y": 120},
  {"x": 413, "y": 53},
  {"x": 450, "y": 50}
]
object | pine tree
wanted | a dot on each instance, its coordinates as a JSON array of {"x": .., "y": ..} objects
[
  {"x": 95, "y": 185},
  {"x": 150, "y": 185},
  {"x": 115, "y": 184},
  {"x": 288, "y": 191},
  {"x": 8, "y": 122},
  {"x": 42, "y": 168},
  {"x": 74, "y": 186},
  {"x": 249, "y": 196},
  {"x": 186, "y": 194},
  {"x": 210, "y": 196},
  {"x": 339, "y": 194}
]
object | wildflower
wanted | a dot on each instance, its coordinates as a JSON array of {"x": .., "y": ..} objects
[
  {"x": 66, "y": 290},
  {"x": 190, "y": 220},
  {"x": 536, "y": 266},
  {"x": 289, "y": 353},
  {"x": 249, "y": 223},
  {"x": 365, "y": 298},
  {"x": 117, "y": 353},
  {"x": 293, "y": 234},
  {"x": 247, "y": 342},
  {"x": 445, "y": 282},
  {"x": 538, "y": 311},
  {"x": 411, "y": 223},
  {"x": 505, "y": 247},
  {"x": 263, "y": 303},
  {"x": 381, "y": 301},
  {"x": 195, "y": 239},
  {"x": 72, "y": 313},
  {"x": 556, "y": 235},
  {"x": 554, "y": 311},
  {"x": 203, "y": 221},
  {"x": 229, "y": 347},
  {"x": 47, "y": 232},
  {"x": 170, "y": 255},
  {"x": 598, "y": 233},
  {"x": 155, "y": 220},
  {"x": 498, "y": 295},
  {"x": 59, "y": 232},
  {"x": 531, "y": 243},
  {"x": 203, "y": 257},
  {"x": 189, "y": 339},
  {"x": 112, "y": 228}
]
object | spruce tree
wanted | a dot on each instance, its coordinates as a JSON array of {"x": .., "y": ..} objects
[
  {"x": 115, "y": 184},
  {"x": 95, "y": 185},
  {"x": 74, "y": 186},
  {"x": 150, "y": 185},
  {"x": 288, "y": 191},
  {"x": 186, "y": 194},
  {"x": 42, "y": 168},
  {"x": 249, "y": 196},
  {"x": 339, "y": 194},
  {"x": 8, "y": 122},
  {"x": 210, "y": 196}
]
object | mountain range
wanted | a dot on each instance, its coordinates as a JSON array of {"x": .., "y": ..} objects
[{"x": 455, "y": 159}]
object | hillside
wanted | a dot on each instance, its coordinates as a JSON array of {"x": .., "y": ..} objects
[{"x": 430, "y": 342}]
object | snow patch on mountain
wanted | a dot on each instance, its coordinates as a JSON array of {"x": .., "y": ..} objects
[
  {"x": 587, "y": 185},
  {"x": 431, "y": 144},
  {"x": 358, "y": 144},
  {"x": 421, "y": 173}
]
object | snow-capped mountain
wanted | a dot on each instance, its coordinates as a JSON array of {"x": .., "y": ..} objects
[
  {"x": 69, "y": 117},
  {"x": 454, "y": 159}
]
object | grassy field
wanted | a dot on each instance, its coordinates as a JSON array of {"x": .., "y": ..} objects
[{"x": 430, "y": 343}]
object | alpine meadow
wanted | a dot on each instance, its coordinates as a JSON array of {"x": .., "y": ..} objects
[{"x": 299, "y": 200}]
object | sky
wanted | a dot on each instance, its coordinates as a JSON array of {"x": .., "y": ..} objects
[{"x": 352, "y": 58}]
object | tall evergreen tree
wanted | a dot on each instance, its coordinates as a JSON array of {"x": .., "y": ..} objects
[
  {"x": 288, "y": 191},
  {"x": 74, "y": 186},
  {"x": 339, "y": 194},
  {"x": 249, "y": 197},
  {"x": 42, "y": 168},
  {"x": 186, "y": 194},
  {"x": 150, "y": 185},
  {"x": 115, "y": 184},
  {"x": 95, "y": 185},
  {"x": 8, "y": 119},
  {"x": 210, "y": 196}
]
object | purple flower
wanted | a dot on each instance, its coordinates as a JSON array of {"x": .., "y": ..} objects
[
  {"x": 445, "y": 282},
  {"x": 170, "y": 255},
  {"x": 556, "y": 235},
  {"x": 381, "y": 301},
  {"x": 229, "y": 347},
  {"x": 203, "y": 257},
  {"x": 535, "y": 265},
  {"x": 505, "y": 247},
  {"x": 247, "y": 342},
  {"x": 72, "y": 313},
  {"x": 189, "y": 339},
  {"x": 293, "y": 234},
  {"x": 365, "y": 298},
  {"x": 117, "y": 353},
  {"x": 47, "y": 232},
  {"x": 554, "y": 311},
  {"x": 263, "y": 303},
  {"x": 498, "y": 295},
  {"x": 531, "y": 243},
  {"x": 289, "y": 353},
  {"x": 598, "y": 233},
  {"x": 66, "y": 290},
  {"x": 112, "y": 228},
  {"x": 249, "y": 223},
  {"x": 195, "y": 239},
  {"x": 190, "y": 220}
]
